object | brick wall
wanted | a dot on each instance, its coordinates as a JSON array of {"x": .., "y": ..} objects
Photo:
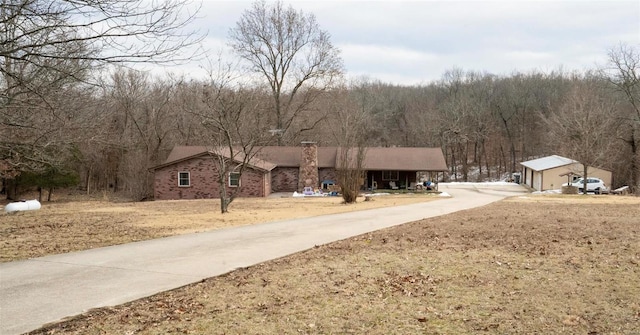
[
  {"x": 204, "y": 181},
  {"x": 284, "y": 179},
  {"x": 328, "y": 174}
]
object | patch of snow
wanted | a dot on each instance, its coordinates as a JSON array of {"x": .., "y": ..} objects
[
  {"x": 548, "y": 192},
  {"x": 444, "y": 194},
  {"x": 499, "y": 183},
  {"x": 475, "y": 175},
  {"x": 376, "y": 194},
  {"x": 311, "y": 195}
]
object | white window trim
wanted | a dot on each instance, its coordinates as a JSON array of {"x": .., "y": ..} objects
[
  {"x": 188, "y": 179},
  {"x": 229, "y": 179}
]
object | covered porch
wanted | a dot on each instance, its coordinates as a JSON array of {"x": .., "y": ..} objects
[{"x": 401, "y": 180}]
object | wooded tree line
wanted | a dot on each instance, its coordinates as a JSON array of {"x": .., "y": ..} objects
[
  {"x": 485, "y": 124},
  {"x": 61, "y": 114}
]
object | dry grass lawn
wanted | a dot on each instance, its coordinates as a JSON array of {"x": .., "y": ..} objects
[
  {"x": 530, "y": 265},
  {"x": 70, "y": 225}
]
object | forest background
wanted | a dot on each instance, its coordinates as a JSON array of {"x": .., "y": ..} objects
[{"x": 75, "y": 114}]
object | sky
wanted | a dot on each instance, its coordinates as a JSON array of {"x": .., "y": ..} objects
[{"x": 415, "y": 42}]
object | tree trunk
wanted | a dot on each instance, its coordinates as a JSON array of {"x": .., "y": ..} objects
[
  {"x": 224, "y": 201},
  {"x": 49, "y": 195},
  {"x": 584, "y": 179},
  {"x": 224, "y": 205},
  {"x": 478, "y": 160},
  {"x": 486, "y": 159},
  {"x": 454, "y": 170},
  {"x": 464, "y": 157},
  {"x": 11, "y": 189},
  {"x": 503, "y": 162},
  {"x": 475, "y": 152},
  {"x": 88, "y": 183},
  {"x": 512, "y": 146},
  {"x": 635, "y": 164}
]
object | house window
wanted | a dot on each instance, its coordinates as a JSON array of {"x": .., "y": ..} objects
[
  {"x": 390, "y": 175},
  {"x": 234, "y": 179},
  {"x": 184, "y": 180}
]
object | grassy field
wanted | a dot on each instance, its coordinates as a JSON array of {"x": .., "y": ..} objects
[
  {"x": 537, "y": 264},
  {"x": 74, "y": 223}
]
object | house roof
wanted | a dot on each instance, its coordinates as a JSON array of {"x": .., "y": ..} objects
[
  {"x": 183, "y": 153},
  {"x": 546, "y": 163},
  {"x": 401, "y": 159},
  {"x": 291, "y": 156},
  {"x": 376, "y": 158},
  {"x": 408, "y": 159}
]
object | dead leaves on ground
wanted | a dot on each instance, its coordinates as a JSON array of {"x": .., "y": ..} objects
[{"x": 495, "y": 270}]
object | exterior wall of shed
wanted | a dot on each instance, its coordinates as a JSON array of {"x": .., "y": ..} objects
[
  {"x": 536, "y": 179},
  {"x": 553, "y": 175},
  {"x": 526, "y": 176},
  {"x": 203, "y": 176},
  {"x": 551, "y": 180},
  {"x": 605, "y": 175}
]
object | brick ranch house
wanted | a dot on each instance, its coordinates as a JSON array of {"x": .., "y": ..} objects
[{"x": 190, "y": 171}]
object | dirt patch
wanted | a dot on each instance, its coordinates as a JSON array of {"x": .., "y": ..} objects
[
  {"x": 548, "y": 265},
  {"x": 66, "y": 226}
]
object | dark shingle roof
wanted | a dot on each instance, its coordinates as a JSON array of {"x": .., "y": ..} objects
[
  {"x": 182, "y": 153},
  {"x": 291, "y": 156},
  {"x": 402, "y": 159},
  {"x": 377, "y": 158},
  {"x": 408, "y": 159}
]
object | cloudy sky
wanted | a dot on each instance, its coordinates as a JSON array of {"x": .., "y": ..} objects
[{"x": 413, "y": 42}]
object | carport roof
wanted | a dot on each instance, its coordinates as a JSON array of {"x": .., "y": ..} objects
[{"x": 546, "y": 163}]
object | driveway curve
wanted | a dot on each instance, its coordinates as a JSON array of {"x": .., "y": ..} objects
[{"x": 42, "y": 290}]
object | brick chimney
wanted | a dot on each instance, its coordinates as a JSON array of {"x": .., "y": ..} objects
[{"x": 308, "y": 175}]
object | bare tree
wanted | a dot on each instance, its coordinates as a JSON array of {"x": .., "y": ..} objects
[
  {"x": 623, "y": 71},
  {"x": 456, "y": 118},
  {"x": 39, "y": 128},
  {"x": 351, "y": 112},
  {"x": 139, "y": 114},
  {"x": 42, "y": 32},
  {"x": 49, "y": 48},
  {"x": 236, "y": 130},
  {"x": 510, "y": 106},
  {"x": 582, "y": 126},
  {"x": 296, "y": 58}
]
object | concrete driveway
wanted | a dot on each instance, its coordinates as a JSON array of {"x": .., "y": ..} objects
[{"x": 42, "y": 290}]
